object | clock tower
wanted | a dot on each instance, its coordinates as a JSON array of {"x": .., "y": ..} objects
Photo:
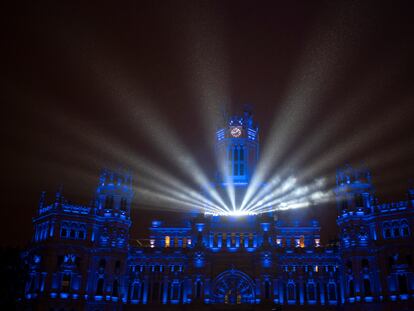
[{"x": 237, "y": 148}]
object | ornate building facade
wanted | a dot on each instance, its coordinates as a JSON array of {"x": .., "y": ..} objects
[{"x": 81, "y": 257}]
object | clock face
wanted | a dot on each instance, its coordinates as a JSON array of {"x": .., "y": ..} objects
[{"x": 235, "y": 131}]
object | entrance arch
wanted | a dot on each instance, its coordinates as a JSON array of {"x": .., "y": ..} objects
[{"x": 233, "y": 287}]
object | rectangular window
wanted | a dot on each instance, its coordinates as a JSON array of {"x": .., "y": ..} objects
[
  {"x": 241, "y": 169},
  {"x": 241, "y": 154},
  {"x": 167, "y": 241},
  {"x": 236, "y": 154}
]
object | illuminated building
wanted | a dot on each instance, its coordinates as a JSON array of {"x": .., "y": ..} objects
[{"x": 81, "y": 257}]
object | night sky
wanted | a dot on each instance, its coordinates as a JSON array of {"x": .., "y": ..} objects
[{"x": 106, "y": 85}]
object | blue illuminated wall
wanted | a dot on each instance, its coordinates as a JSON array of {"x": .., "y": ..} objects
[{"x": 82, "y": 257}]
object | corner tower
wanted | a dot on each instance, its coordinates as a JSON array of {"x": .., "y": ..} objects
[{"x": 237, "y": 148}]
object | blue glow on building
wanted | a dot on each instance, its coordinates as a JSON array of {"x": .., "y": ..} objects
[{"x": 81, "y": 255}]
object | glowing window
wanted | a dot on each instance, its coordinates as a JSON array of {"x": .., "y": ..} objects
[
  {"x": 233, "y": 239},
  {"x": 302, "y": 241},
  {"x": 279, "y": 242},
  {"x": 250, "y": 244},
  {"x": 317, "y": 242},
  {"x": 316, "y": 268},
  {"x": 167, "y": 241}
]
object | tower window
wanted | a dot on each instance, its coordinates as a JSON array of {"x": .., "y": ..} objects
[
  {"x": 235, "y": 169},
  {"x": 236, "y": 154}
]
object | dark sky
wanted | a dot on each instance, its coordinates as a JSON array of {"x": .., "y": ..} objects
[{"x": 330, "y": 83}]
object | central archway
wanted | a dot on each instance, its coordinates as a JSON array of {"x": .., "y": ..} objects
[{"x": 233, "y": 287}]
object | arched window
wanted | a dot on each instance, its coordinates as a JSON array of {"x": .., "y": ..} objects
[
  {"x": 72, "y": 233},
  {"x": 117, "y": 267},
  {"x": 81, "y": 234},
  {"x": 405, "y": 229},
  {"x": 402, "y": 283},
  {"x": 135, "y": 291},
  {"x": 351, "y": 287},
  {"x": 311, "y": 291},
  {"x": 331, "y": 291},
  {"x": 63, "y": 232},
  {"x": 198, "y": 290},
  {"x": 109, "y": 202},
  {"x": 102, "y": 263},
  {"x": 359, "y": 202},
  {"x": 365, "y": 263},
  {"x": 66, "y": 282},
  {"x": 386, "y": 228},
  {"x": 395, "y": 229},
  {"x": 367, "y": 287},
  {"x": 123, "y": 204},
  {"x": 99, "y": 287},
  {"x": 344, "y": 204},
  {"x": 291, "y": 291},
  {"x": 349, "y": 266},
  {"x": 267, "y": 289},
  {"x": 115, "y": 288},
  {"x": 155, "y": 291}
]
